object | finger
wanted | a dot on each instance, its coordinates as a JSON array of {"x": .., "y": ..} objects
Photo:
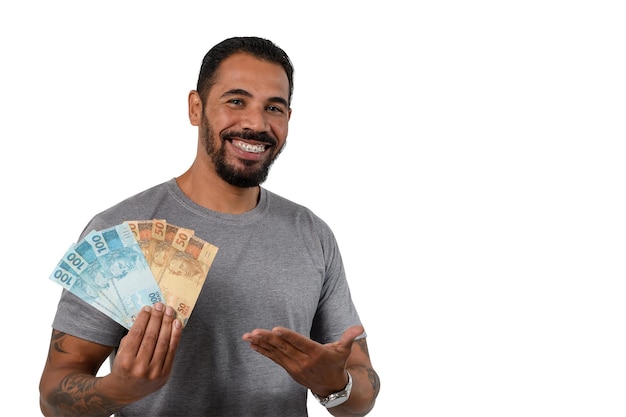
[
  {"x": 275, "y": 341},
  {"x": 151, "y": 334},
  {"x": 131, "y": 342},
  {"x": 348, "y": 337},
  {"x": 275, "y": 355},
  {"x": 256, "y": 335},
  {"x": 163, "y": 341},
  {"x": 292, "y": 342},
  {"x": 177, "y": 331},
  {"x": 261, "y": 339},
  {"x": 268, "y": 344}
]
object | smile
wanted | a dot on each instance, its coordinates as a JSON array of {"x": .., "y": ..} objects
[{"x": 248, "y": 147}]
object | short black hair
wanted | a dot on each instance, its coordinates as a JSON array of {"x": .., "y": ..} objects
[{"x": 260, "y": 48}]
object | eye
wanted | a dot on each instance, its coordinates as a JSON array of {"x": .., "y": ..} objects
[
  {"x": 275, "y": 109},
  {"x": 236, "y": 101}
]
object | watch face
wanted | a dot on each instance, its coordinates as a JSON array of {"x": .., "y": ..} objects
[{"x": 337, "y": 398}]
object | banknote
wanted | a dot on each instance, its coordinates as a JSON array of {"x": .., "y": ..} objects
[
  {"x": 139, "y": 262},
  {"x": 125, "y": 268},
  {"x": 183, "y": 274},
  {"x": 69, "y": 276},
  {"x": 174, "y": 239},
  {"x": 179, "y": 261},
  {"x": 91, "y": 283},
  {"x": 148, "y": 233},
  {"x": 142, "y": 231},
  {"x": 108, "y": 270}
]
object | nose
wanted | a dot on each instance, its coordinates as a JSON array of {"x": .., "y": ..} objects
[{"x": 254, "y": 118}]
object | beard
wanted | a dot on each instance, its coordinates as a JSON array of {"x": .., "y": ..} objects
[{"x": 253, "y": 173}]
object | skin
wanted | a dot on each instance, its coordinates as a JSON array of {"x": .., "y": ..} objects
[
  {"x": 322, "y": 368},
  {"x": 143, "y": 364},
  {"x": 249, "y": 95}
]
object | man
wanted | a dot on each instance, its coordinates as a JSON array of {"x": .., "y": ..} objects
[{"x": 274, "y": 318}]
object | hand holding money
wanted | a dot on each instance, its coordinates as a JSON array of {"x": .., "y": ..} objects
[{"x": 144, "y": 360}]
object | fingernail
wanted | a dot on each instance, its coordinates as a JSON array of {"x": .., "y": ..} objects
[
  {"x": 169, "y": 311},
  {"x": 178, "y": 324},
  {"x": 147, "y": 308},
  {"x": 158, "y": 306}
]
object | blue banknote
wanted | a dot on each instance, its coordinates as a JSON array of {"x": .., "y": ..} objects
[
  {"x": 70, "y": 276},
  {"x": 108, "y": 270}
]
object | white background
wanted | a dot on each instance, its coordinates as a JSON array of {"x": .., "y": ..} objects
[{"x": 468, "y": 155}]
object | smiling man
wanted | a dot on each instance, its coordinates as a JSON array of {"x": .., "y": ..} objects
[
  {"x": 274, "y": 319},
  {"x": 243, "y": 123}
]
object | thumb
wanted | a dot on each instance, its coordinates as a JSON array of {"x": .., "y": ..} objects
[{"x": 349, "y": 335}]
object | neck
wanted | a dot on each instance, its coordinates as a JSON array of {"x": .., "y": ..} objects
[{"x": 208, "y": 190}]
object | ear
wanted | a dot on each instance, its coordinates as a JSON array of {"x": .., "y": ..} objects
[{"x": 195, "y": 108}]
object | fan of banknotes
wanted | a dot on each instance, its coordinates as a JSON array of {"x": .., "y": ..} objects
[{"x": 125, "y": 267}]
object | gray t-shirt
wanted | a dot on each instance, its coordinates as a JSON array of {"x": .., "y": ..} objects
[{"x": 277, "y": 265}]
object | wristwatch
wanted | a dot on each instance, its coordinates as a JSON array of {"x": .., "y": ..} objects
[{"x": 336, "y": 398}]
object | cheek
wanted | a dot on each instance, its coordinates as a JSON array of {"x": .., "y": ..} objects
[
  {"x": 280, "y": 131},
  {"x": 219, "y": 119}
]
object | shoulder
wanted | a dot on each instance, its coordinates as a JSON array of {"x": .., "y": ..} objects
[
  {"x": 284, "y": 210},
  {"x": 136, "y": 207},
  {"x": 284, "y": 207}
]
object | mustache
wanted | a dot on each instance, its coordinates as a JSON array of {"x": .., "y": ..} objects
[{"x": 263, "y": 137}]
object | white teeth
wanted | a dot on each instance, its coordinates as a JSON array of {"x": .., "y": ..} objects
[{"x": 248, "y": 147}]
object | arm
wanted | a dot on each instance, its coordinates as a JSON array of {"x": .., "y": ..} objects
[
  {"x": 365, "y": 383},
  {"x": 322, "y": 368},
  {"x": 143, "y": 363}
]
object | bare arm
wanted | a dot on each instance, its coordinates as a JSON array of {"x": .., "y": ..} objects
[
  {"x": 322, "y": 368},
  {"x": 143, "y": 363},
  {"x": 365, "y": 391}
]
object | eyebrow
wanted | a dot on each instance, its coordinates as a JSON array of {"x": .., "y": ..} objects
[{"x": 242, "y": 92}]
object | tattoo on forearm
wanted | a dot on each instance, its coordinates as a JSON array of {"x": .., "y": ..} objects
[
  {"x": 57, "y": 341},
  {"x": 374, "y": 380},
  {"x": 371, "y": 373},
  {"x": 362, "y": 343},
  {"x": 76, "y": 394},
  {"x": 375, "y": 383}
]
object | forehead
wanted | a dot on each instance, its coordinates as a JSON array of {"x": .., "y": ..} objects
[{"x": 247, "y": 72}]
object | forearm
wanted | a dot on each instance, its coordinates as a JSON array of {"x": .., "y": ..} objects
[
  {"x": 79, "y": 394},
  {"x": 365, "y": 387}
]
